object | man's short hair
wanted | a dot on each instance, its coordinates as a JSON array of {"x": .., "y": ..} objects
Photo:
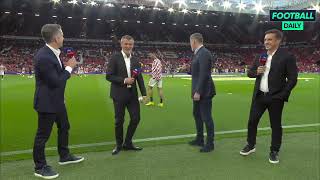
[
  {"x": 197, "y": 36},
  {"x": 127, "y": 37},
  {"x": 278, "y": 33},
  {"x": 48, "y": 31}
]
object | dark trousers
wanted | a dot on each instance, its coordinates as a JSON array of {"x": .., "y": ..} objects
[
  {"x": 258, "y": 107},
  {"x": 133, "y": 107},
  {"x": 45, "y": 123},
  {"x": 202, "y": 114}
]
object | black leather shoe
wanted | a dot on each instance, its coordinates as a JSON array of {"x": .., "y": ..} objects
[
  {"x": 207, "y": 148},
  {"x": 116, "y": 150},
  {"x": 71, "y": 159},
  {"x": 131, "y": 147},
  {"x": 196, "y": 142}
]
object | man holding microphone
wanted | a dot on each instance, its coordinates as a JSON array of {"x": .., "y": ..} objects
[
  {"x": 51, "y": 77},
  {"x": 123, "y": 71},
  {"x": 276, "y": 75}
]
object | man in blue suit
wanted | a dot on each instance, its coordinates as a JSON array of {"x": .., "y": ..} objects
[
  {"x": 51, "y": 77},
  {"x": 203, "y": 90}
]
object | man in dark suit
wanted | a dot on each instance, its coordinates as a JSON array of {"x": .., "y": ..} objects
[
  {"x": 120, "y": 72},
  {"x": 51, "y": 77},
  {"x": 274, "y": 81},
  {"x": 203, "y": 90}
]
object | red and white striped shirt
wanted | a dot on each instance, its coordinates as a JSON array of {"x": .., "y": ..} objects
[{"x": 156, "y": 69}]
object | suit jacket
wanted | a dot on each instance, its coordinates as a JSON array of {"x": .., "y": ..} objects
[
  {"x": 117, "y": 72},
  {"x": 282, "y": 76},
  {"x": 51, "y": 81},
  {"x": 201, "y": 74}
]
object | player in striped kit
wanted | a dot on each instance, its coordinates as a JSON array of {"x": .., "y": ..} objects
[
  {"x": 2, "y": 70},
  {"x": 156, "y": 79},
  {"x": 23, "y": 71}
]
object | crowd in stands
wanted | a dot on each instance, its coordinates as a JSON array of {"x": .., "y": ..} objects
[{"x": 94, "y": 60}]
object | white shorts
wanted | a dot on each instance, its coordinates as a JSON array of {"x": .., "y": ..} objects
[
  {"x": 1, "y": 73},
  {"x": 153, "y": 82}
]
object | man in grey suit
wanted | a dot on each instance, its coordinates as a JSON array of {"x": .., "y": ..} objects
[{"x": 203, "y": 90}]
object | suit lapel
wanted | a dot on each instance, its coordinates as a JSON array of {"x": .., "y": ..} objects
[
  {"x": 56, "y": 60},
  {"x": 195, "y": 56},
  {"x": 123, "y": 64},
  {"x": 274, "y": 59},
  {"x": 131, "y": 64},
  {"x": 62, "y": 65},
  {"x": 199, "y": 50}
]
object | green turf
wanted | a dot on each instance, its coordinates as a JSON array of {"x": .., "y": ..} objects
[
  {"x": 299, "y": 159},
  {"x": 91, "y": 111}
]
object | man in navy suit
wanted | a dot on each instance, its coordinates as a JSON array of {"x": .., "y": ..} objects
[
  {"x": 276, "y": 76},
  {"x": 51, "y": 77},
  {"x": 203, "y": 90}
]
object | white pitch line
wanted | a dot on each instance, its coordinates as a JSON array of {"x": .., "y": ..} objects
[
  {"x": 10, "y": 153},
  {"x": 241, "y": 79}
]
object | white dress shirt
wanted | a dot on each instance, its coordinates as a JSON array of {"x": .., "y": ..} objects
[
  {"x": 57, "y": 53},
  {"x": 127, "y": 61},
  {"x": 264, "y": 80}
]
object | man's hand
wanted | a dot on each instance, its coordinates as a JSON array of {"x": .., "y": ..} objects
[
  {"x": 185, "y": 67},
  {"x": 261, "y": 70},
  {"x": 145, "y": 99},
  {"x": 129, "y": 81},
  {"x": 196, "y": 97},
  {"x": 71, "y": 63}
]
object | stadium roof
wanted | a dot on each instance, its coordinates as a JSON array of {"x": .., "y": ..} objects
[
  {"x": 244, "y": 6},
  {"x": 260, "y": 7}
]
